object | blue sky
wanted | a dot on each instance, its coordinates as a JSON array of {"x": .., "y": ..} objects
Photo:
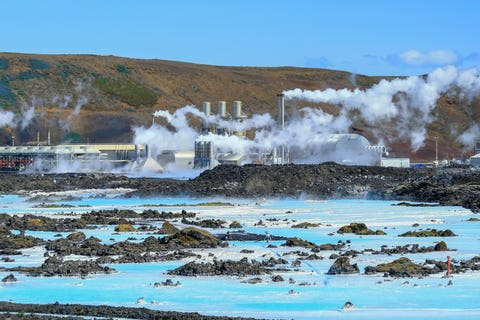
[{"x": 375, "y": 37}]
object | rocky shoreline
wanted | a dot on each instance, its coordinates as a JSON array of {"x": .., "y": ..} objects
[
  {"x": 43, "y": 310},
  {"x": 446, "y": 186}
]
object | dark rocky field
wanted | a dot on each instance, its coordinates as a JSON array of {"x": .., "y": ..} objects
[{"x": 446, "y": 186}]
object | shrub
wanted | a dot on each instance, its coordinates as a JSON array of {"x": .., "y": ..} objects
[
  {"x": 7, "y": 78},
  {"x": 122, "y": 69},
  {"x": 128, "y": 91},
  {"x": 6, "y": 94},
  {"x": 26, "y": 75},
  {"x": 39, "y": 64},
  {"x": 3, "y": 63}
]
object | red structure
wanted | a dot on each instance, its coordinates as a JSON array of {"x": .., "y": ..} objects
[{"x": 448, "y": 265}]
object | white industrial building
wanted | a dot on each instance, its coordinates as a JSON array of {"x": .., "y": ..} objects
[
  {"x": 475, "y": 160},
  {"x": 179, "y": 159},
  {"x": 395, "y": 162}
]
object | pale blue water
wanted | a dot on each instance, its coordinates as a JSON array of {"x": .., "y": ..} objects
[{"x": 431, "y": 298}]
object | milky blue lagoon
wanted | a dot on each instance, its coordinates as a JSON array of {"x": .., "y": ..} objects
[{"x": 374, "y": 296}]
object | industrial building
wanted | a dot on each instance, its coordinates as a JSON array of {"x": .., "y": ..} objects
[
  {"x": 342, "y": 148},
  {"x": 46, "y": 157},
  {"x": 395, "y": 162},
  {"x": 475, "y": 160},
  {"x": 179, "y": 159},
  {"x": 205, "y": 154}
]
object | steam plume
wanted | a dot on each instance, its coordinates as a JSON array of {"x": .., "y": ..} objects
[{"x": 406, "y": 103}]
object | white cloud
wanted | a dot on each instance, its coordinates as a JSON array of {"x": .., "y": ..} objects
[{"x": 436, "y": 57}]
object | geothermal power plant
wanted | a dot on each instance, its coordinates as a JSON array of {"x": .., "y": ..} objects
[{"x": 344, "y": 148}]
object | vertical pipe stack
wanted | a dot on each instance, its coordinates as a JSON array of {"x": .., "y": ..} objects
[
  {"x": 281, "y": 111},
  {"x": 222, "y": 109},
  {"x": 237, "y": 110},
  {"x": 281, "y": 122},
  {"x": 207, "y": 110}
]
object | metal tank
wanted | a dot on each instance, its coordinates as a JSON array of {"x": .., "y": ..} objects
[
  {"x": 237, "y": 110},
  {"x": 222, "y": 109},
  {"x": 207, "y": 110}
]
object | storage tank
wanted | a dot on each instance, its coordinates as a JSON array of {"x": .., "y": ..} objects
[
  {"x": 341, "y": 148},
  {"x": 222, "y": 109},
  {"x": 237, "y": 110},
  {"x": 207, "y": 110}
]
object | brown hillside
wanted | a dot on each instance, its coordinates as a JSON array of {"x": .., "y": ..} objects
[{"x": 124, "y": 92}]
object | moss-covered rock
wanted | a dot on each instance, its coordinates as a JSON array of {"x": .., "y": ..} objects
[
  {"x": 441, "y": 246},
  {"x": 34, "y": 222},
  {"x": 235, "y": 225},
  {"x": 77, "y": 236},
  {"x": 305, "y": 225},
  {"x": 429, "y": 233},
  {"x": 342, "y": 266},
  {"x": 168, "y": 228},
  {"x": 125, "y": 227},
  {"x": 191, "y": 238},
  {"x": 401, "y": 267},
  {"x": 359, "y": 229},
  {"x": 296, "y": 242}
]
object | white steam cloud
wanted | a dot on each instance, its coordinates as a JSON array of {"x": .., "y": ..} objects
[
  {"x": 28, "y": 116},
  {"x": 82, "y": 91},
  {"x": 306, "y": 133},
  {"x": 396, "y": 109},
  {"x": 469, "y": 136},
  {"x": 6, "y": 118},
  {"x": 401, "y": 106}
]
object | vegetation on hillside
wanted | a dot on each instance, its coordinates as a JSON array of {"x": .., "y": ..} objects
[{"x": 128, "y": 91}]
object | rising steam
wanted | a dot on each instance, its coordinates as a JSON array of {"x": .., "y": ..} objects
[
  {"x": 402, "y": 106},
  {"x": 396, "y": 109}
]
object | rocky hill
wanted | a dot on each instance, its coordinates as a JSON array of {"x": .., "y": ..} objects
[{"x": 86, "y": 98}]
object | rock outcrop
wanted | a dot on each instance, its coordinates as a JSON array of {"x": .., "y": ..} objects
[
  {"x": 429, "y": 233},
  {"x": 9, "y": 278},
  {"x": 342, "y": 266},
  {"x": 359, "y": 229},
  {"x": 243, "y": 267}
]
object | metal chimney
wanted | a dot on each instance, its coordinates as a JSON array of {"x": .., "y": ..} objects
[
  {"x": 281, "y": 123},
  {"x": 237, "y": 110},
  {"x": 48, "y": 137},
  {"x": 38, "y": 137},
  {"x": 222, "y": 109},
  {"x": 137, "y": 152},
  {"x": 207, "y": 109},
  {"x": 147, "y": 150},
  {"x": 281, "y": 110}
]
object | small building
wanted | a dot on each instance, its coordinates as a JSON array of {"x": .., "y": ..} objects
[
  {"x": 93, "y": 157},
  {"x": 395, "y": 162},
  {"x": 232, "y": 158},
  {"x": 177, "y": 159},
  {"x": 475, "y": 160},
  {"x": 44, "y": 158}
]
